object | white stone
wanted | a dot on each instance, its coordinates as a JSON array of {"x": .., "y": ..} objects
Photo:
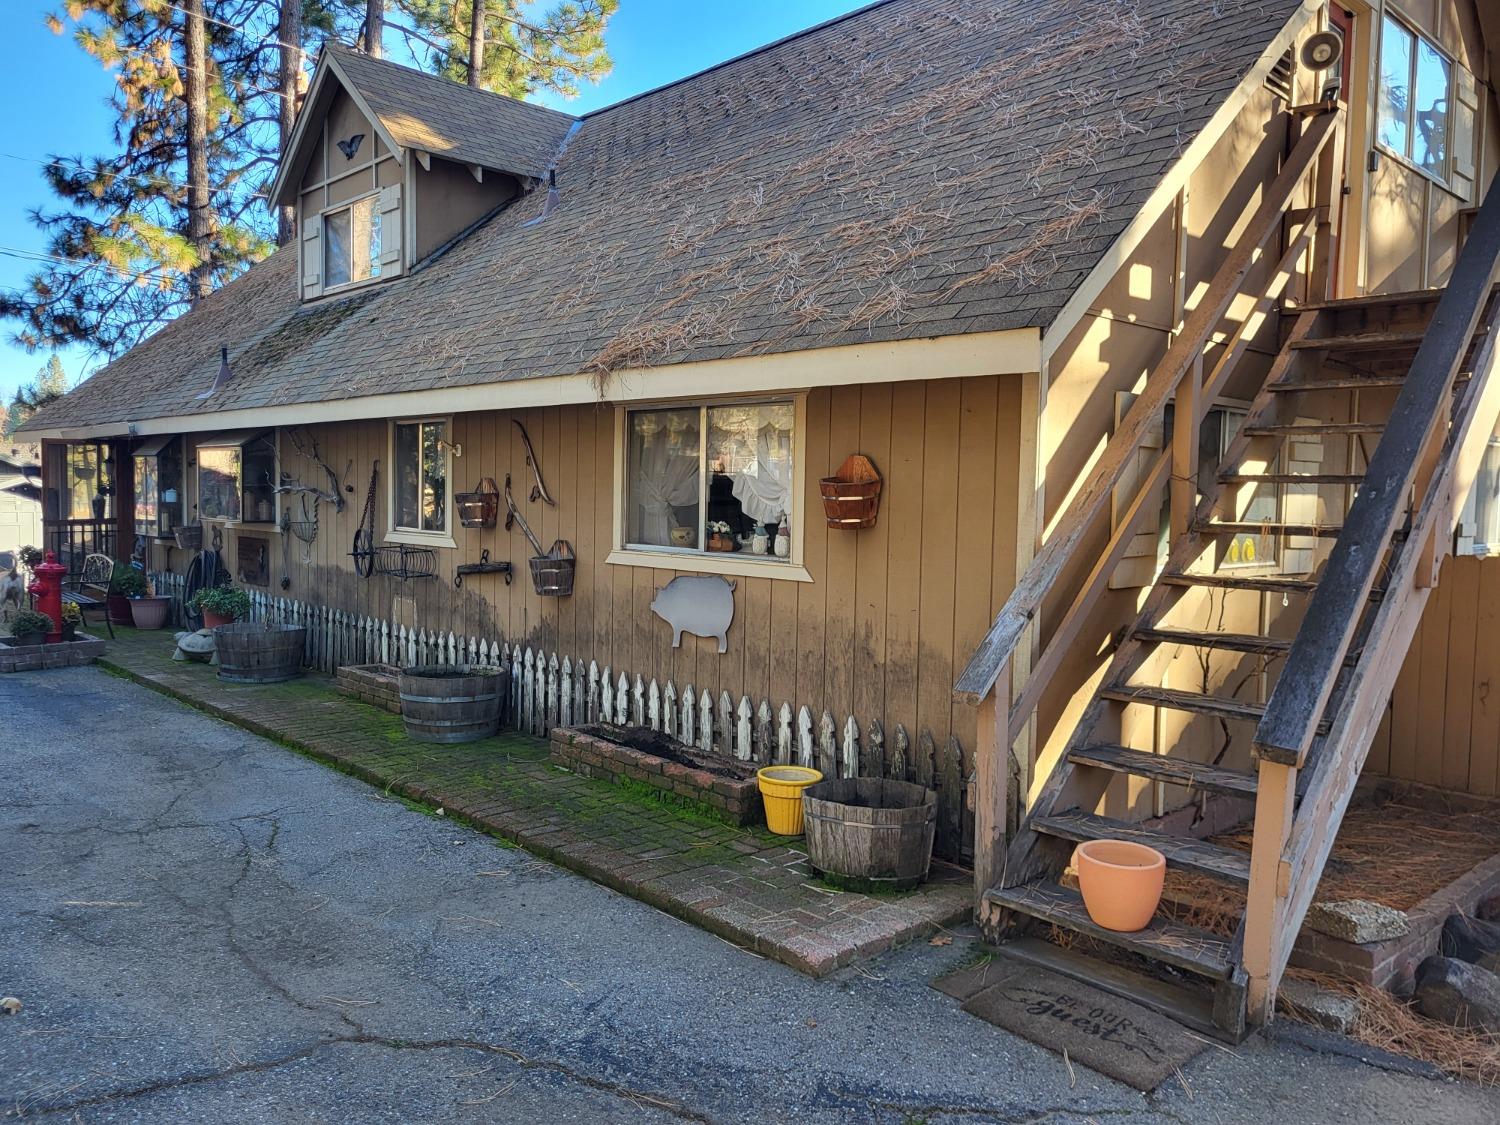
[{"x": 1357, "y": 921}]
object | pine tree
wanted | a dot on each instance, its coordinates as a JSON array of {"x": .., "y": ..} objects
[
  {"x": 520, "y": 51},
  {"x": 49, "y": 385},
  {"x": 144, "y": 231}
]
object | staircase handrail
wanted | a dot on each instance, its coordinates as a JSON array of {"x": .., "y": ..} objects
[
  {"x": 998, "y": 647},
  {"x": 1418, "y": 419}
]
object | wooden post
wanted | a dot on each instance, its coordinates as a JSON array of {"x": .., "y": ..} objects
[
  {"x": 991, "y": 787},
  {"x": 1328, "y": 193},
  {"x": 1185, "y": 426},
  {"x": 1265, "y": 903}
]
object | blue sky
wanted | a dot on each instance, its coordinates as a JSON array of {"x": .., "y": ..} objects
[{"x": 57, "y": 96}]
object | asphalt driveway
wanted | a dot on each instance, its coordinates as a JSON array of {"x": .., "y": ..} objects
[{"x": 206, "y": 927}]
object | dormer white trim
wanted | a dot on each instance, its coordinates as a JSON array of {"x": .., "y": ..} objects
[{"x": 284, "y": 188}]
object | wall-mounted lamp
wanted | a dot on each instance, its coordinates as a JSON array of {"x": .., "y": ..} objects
[{"x": 454, "y": 448}]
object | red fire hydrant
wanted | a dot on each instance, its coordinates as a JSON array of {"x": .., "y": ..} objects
[{"x": 47, "y": 592}]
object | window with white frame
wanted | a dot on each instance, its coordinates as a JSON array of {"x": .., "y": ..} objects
[
  {"x": 713, "y": 477},
  {"x": 1479, "y": 528},
  {"x": 1416, "y": 83},
  {"x": 420, "y": 497},
  {"x": 351, "y": 243}
]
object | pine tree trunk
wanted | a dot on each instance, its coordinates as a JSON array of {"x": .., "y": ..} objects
[
  {"x": 476, "y": 42},
  {"x": 374, "y": 26},
  {"x": 195, "y": 95},
  {"x": 289, "y": 86}
]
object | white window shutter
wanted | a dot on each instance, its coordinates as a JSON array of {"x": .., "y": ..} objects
[
  {"x": 1139, "y": 565},
  {"x": 1465, "y": 117},
  {"x": 389, "y": 207},
  {"x": 312, "y": 256}
]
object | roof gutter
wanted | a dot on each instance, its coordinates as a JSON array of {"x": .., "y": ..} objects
[{"x": 1012, "y": 351}]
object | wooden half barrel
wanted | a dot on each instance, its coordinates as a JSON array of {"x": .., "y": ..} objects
[
  {"x": 452, "y": 703},
  {"x": 870, "y": 833},
  {"x": 253, "y": 652}
]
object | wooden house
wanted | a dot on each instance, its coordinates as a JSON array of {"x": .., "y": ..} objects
[{"x": 1165, "y": 324}]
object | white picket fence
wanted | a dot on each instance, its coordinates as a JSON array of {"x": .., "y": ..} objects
[{"x": 550, "y": 690}]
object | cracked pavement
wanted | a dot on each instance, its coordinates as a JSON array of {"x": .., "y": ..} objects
[{"x": 206, "y": 927}]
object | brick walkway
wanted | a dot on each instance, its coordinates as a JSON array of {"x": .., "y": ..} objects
[{"x": 742, "y": 884}]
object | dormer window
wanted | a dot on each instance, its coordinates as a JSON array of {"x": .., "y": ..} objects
[{"x": 351, "y": 243}]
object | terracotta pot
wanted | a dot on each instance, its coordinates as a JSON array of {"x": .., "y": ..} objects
[
  {"x": 213, "y": 620},
  {"x": 149, "y": 613},
  {"x": 1121, "y": 882}
]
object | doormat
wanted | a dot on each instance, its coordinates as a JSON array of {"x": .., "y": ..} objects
[{"x": 1116, "y": 1037}]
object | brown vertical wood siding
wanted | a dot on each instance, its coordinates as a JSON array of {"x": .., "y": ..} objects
[
  {"x": 890, "y": 614},
  {"x": 1442, "y": 725}
]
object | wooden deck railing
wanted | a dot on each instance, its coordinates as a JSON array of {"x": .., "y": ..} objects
[
  {"x": 1419, "y": 474},
  {"x": 1178, "y": 376}
]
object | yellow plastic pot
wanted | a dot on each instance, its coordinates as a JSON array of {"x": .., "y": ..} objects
[{"x": 781, "y": 789}]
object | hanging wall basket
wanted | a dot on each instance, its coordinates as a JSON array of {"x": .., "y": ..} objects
[
  {"x": 552, "y": 573},
  {"x": 480, "y": 508},
  {"x": 851, "y": 498},
  {"x": 190, "y": 537}
]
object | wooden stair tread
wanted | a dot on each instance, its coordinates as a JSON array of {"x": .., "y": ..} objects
[
  {"x": 1177, "y": 771},
  {"x": 1315, "y": 429},
  {"x": 1373, "y": 300},
  {"x": 1371, "y": 382},
  {"x": 1179, "y": 700},
  {"x": 1217, "y": 862},
  {"x": 1232, "y": 642},
  {"x": 1360, "y": 341},
  {"x": 1263, "y": 527},
  {"x": 1265, "y": 583},
  {"x": 1186, "y": 947},
  {"x": 1291, "y": 478}
]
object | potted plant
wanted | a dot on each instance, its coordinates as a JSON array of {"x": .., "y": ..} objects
[
  {"x": 220, "y": 605},
  {"x": 30, "y": 628},
  {"x": 720, "y": 537},
  {"x": 149, "y": 611},
  {"x": 125, "y": 582},
  {"x": 72, "y": 618}
]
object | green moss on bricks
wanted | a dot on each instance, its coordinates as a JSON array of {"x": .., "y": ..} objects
[{"x": 685, "y": 808}]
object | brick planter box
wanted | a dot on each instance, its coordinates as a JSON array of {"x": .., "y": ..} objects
[
  {"x": 726, "y": 785},
  {"x": 65, "y": 654},
  {"x": 376, "y": 684}
]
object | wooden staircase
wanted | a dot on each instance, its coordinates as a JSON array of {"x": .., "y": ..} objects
[{"x": 1399, "y": 395}]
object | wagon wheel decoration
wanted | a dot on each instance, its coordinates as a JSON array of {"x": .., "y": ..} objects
[{"x": 363, "y": 552}]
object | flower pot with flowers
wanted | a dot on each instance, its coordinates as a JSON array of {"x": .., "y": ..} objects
[
  {"x": 72, "y": 618},
  {"x": 721, "y": 536}
]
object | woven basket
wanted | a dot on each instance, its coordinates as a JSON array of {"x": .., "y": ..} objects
[
  {"x": 851, "y": 498},
  {"x": 479, "y": 508},
  {"x": 190, "y": 537}
]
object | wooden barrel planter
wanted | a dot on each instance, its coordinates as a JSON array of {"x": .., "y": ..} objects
[
  {"x": 866, "y": 833},
  {"x": 254, "y": 652},
  {"x": 452, "y": 703}
]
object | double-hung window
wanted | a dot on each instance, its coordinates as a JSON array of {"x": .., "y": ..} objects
[
  {"x": 351, "y": 243},
  {"x": 421, "y": 501},
  {"x": 712, "y": 481},
  {"x": 1416, "y": 86}
]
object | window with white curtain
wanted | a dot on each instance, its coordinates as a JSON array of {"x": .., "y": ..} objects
[{"x": 710, "y": 478}]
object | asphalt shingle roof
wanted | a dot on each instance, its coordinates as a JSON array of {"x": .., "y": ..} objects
[
  {"x": 920, "y": 168},
  {"x": 455, "y": 122}
]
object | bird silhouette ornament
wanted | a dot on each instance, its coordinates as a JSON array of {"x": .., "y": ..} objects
[{"x": 351, "y": 146}]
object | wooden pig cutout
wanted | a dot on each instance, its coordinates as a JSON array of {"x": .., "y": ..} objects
[{"x": 702, "y": 605}]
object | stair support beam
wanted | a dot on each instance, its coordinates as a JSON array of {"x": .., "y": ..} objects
[{"x": 1265, "y": 903}]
